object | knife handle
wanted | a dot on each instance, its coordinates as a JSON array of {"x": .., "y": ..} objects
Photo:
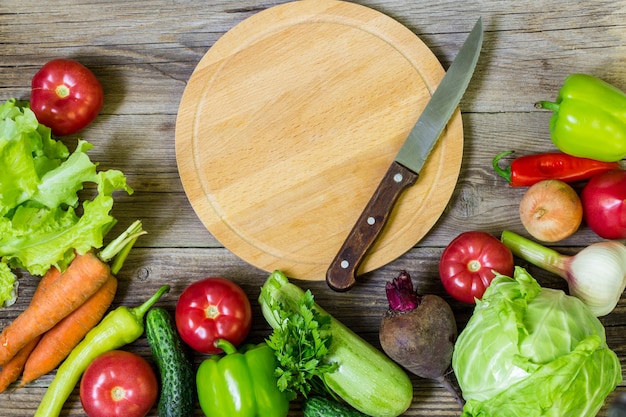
[{"x": 341, "y": 274}]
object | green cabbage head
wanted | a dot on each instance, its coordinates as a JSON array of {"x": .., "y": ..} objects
[{"x": 530, "y": 351}]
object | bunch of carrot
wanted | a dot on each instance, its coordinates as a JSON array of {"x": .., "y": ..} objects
[{"x": 64, "y": 307}]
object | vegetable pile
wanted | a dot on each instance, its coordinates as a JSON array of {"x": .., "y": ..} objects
[
  {"x": 63, "y": 309},
  {"x": 551, "y": 210},
  {"x": 589, "y": 128},
  {"x": 533, "y": 351},
  {"x": 525, "y": 351},
  {"x": 117, "y": 329},
  {"x": 48, "y": 230},
  {"x": 347, "y": 360}
]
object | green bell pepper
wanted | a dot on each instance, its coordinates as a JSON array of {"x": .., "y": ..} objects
[
  {"x": 241, "y": 383},
  {"x": 589, "y": 119}
]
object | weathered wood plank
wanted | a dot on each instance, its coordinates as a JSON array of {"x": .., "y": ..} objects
[
  {"x": 144, "y": 53},
  {"x": 156, "y": 45}
]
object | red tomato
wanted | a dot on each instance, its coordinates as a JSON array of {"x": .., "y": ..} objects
[
  {"x": 604, "y": 204},
  {"x": 118, "y": 384},
  {"x": 467, "y": 263},
  {"x": 66, "y": 96},
  {"x": 210, "y": 309}
]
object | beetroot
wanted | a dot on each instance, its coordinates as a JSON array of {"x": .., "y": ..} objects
[{"x": 418, "y": 332}]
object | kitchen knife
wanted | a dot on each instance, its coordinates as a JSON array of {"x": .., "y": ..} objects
[{"x": 405, "y": 168}]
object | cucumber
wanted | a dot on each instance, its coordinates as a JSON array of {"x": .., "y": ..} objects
[
  {"x": 178, "y": 385},
  {"x": 317, "y": 406}
]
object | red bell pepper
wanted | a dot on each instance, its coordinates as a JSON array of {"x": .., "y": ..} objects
[{"x": 530, "y": 169}]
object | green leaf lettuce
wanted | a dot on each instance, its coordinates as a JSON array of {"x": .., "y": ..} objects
[{"x": 42, "y": 222}]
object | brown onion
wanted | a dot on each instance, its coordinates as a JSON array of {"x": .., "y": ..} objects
[{"x": 551, "y": 210}]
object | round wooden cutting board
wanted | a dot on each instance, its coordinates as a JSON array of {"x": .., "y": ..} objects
[{"x": 289, "y": 122}]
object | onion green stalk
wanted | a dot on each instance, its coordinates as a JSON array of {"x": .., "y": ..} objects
[{"x": 596, "y": 275}]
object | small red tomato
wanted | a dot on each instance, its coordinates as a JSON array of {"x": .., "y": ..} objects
[
  {"x": 210, "y": 309},
  {"x": 65, "y": 96},
  {"x": 118, "y": 384},
  {"x": 467, "y": 263},
  {"x": 604, "y": 204}
]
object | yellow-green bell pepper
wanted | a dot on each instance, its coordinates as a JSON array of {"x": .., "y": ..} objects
[
  {"x": 589, "y": 119},
  {"x": 241, "y": 383}
]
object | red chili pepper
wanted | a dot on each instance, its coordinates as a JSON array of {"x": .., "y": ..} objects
[{"x": 530, "y": 169}]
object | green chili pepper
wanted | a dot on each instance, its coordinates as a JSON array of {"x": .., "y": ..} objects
[
  {"x": 118, "y": 328},
  {"x": 589, "y": 119},
  {"x": 241, "y": 383}
]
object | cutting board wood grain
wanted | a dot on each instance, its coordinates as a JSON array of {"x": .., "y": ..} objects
[{"x": 289, "y": 122}]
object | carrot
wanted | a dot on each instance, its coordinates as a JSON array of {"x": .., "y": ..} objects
[
  {"x": 48, "y": 278},
  {"x": 12, "y": 369},
  {"x": 83, "y": 277},
  {"x": 59, "y": 341}
]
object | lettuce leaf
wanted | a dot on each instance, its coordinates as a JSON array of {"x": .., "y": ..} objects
[
  {"x": 531, "y": 351},
  {"x": 42, "y": 222}
]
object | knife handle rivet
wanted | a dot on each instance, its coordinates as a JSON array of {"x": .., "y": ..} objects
[
  {"x": 371, "y": 221},
  {"x": 398, "y": 177},
  {"x": 345, "y": 264}
]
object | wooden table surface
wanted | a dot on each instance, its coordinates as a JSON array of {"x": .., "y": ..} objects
[{"x": 144, "y": 53}]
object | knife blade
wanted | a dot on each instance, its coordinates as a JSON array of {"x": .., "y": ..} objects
[{"x": 404, "y": 170}]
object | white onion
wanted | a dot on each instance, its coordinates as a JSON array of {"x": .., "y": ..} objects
[{"x": 596, "y": 275}]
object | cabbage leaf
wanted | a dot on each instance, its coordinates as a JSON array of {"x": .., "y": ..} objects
[{"x": 532, "y": 351}]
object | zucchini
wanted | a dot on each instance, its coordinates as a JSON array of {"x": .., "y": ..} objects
[
  {"x": 365, "y": 378},
  {"x": 178, "y": 385},
  {"x": 317, "y": 406}
]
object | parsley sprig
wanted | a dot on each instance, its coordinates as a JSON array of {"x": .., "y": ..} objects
[{"x": 301, "y": 342}]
